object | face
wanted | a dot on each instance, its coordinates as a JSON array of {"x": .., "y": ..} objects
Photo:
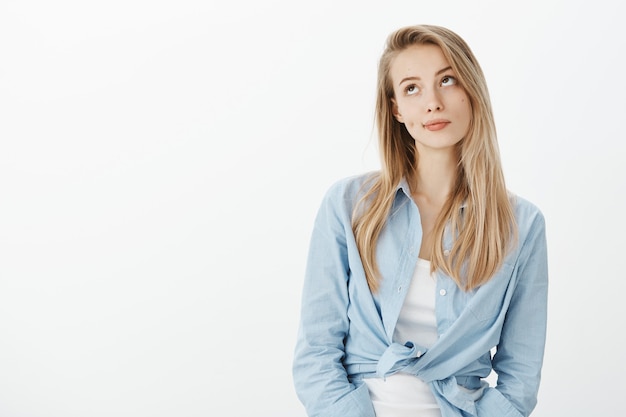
[{"x": 428, "y": 99}]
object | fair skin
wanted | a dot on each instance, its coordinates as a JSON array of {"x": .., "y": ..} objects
[{"x": 436, "y": 111}]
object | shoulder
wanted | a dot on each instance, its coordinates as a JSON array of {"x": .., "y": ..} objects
[
  {"x": 351, "y": 189},
  {"x": 336, "y": 209},
  {"x": 529, "y": 217},
  {"x": 524, "y": 209},
  {"x": 342, "y": 196}
]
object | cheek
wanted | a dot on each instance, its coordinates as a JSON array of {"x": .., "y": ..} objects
[{"x": 466, "y": 106}]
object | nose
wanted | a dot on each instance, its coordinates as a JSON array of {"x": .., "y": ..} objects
[{"x": 433, "y": 102}]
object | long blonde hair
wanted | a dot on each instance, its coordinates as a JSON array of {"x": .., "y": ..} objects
[{"x": 485, "y": 228}]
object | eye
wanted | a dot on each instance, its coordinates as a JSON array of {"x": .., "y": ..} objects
[
  {"x": 448, "y": 80},
  {"x": 411, "y": 89}
]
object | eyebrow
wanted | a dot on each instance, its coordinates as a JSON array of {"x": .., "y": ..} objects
[{"x": 441, "y": 71}]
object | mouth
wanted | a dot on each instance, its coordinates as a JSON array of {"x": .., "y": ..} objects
[{"x": 436, "y": 124}]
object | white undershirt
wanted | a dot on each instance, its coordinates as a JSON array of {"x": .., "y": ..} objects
[{"x": 403, "y": 395}]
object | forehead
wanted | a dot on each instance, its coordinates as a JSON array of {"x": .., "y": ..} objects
[{"x": 418, "y": 61}]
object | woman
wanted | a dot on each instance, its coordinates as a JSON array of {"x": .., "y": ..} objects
[{"x": 418, "y": 272}]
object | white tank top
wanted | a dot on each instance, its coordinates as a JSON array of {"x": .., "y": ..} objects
[{"x": 403, "y": 395}]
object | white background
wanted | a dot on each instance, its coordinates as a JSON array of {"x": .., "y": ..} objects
[{"x": 161, "y": 163}]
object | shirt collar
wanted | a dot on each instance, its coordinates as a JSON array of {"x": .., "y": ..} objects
[{"x": 404, "y": 186}]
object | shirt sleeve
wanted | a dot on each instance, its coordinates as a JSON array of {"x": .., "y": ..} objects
[
  {"x": 320, "y": 378},
  {"x": 519, "y": 355}
]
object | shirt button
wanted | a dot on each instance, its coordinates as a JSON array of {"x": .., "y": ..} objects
[
  {"x": 419, "y": 353},
  {"x": 399, "y": 289},
  {"x": 442, "y": 292},
  {"x": 446, "y": 252}
]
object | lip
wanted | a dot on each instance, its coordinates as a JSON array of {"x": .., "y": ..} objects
[{"x": 436, "y": 124}]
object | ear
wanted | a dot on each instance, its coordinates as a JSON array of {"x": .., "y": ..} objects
[{"x": 394, "y": 110}]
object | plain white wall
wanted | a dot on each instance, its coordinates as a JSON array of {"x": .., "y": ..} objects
[{"x": 161, "y": 163}]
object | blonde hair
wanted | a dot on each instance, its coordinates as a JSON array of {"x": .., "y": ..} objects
[{"x": 485, "y": 228}]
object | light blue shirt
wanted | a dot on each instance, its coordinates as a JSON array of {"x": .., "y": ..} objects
[{"x": 345, "y": 332}]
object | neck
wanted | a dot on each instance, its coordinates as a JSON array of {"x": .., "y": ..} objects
[{"x": 436, "y": 174}]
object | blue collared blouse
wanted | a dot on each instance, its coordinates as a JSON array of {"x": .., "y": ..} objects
[{"x": 345, "y": 332}]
